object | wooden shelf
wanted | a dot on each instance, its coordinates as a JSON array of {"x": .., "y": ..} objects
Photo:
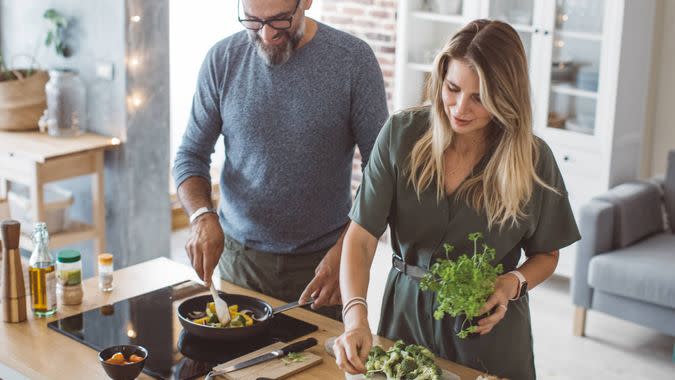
[
  {"x": 76, "y": 232},
  {"x": 439, "y": 17}
]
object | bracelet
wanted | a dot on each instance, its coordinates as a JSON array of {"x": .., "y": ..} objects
[
  {"x": 351, "y": 304},
  {"x": 355, "y": 299},
  {"x": 199, "y": 212}
]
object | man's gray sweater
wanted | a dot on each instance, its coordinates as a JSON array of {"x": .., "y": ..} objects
[{"x": 289, "y": 136}]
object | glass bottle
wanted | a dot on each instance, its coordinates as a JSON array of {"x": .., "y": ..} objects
[
  {"x": 105, "y": 272},
  {"x": 42, "y": 276},
  {"x": 66, "y": 103},
  {"x": 69, "y": 277}
]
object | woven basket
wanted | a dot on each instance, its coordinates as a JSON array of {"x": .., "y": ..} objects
[{"x": 22, "y": 102}]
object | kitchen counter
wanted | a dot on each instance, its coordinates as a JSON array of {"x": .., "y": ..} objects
[{"x": 33, "y": 350}]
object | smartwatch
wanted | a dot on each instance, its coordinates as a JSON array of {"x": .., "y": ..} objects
[
  {"x": 522, "y": 285},
  {"x": 199, "y": 212}
]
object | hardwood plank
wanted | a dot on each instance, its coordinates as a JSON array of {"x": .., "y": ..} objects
[
  {"x": 40, "y": 147},
  {"x": 73, "y": 165}
]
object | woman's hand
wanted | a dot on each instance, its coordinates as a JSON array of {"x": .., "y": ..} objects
[
  {"x": 352, "y": 348},
  {"x": 506, "y": 288}
]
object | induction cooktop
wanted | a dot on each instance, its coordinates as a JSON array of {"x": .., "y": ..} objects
[{"x": 150, "y": 320}]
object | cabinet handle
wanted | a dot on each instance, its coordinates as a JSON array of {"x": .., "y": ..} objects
[
  {"x": 536, "y": 30},
  {"x": 546, "y": 32},
  {"x": 566, "y": 158}
]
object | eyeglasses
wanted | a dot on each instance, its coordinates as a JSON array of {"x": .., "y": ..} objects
[{"x": 275, "y": 23}]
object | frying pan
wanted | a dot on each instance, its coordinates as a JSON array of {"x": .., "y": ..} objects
[{"x": 263, "y": 312}]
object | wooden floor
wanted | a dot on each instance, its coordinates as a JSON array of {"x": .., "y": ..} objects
[{"x": 613, "y": 349}]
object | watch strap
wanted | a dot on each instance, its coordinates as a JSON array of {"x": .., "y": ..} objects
[{"x": 521, "y": 281}]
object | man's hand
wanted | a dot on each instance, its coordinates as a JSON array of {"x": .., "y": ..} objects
[
  {"x": 325, "y": 286},
  {"x": 205, "y": 245}
]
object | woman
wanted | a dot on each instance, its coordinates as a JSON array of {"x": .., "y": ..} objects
[{"x": 467, "y": 163}]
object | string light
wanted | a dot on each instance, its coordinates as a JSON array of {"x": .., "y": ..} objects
[
  {"x": 564, "y": 17},
  {"x": 134, "y": 61},
  {"x": 560, "y": 43},
  {"x": 115, "y": 141},
  {"x": 135, "y": 100},
  {"x": 135, "y": 18}
]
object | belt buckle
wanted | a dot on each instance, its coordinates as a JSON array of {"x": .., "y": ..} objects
[{"x": 405, "y": 266}]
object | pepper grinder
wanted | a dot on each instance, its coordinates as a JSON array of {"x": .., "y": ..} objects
[{"x": 13, "y": 287}]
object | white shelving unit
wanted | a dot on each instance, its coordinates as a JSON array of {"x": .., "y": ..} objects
[{"x": 589, "y": 65}]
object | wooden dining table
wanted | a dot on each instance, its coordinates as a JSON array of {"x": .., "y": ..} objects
[{"x": 31, "y": 350}]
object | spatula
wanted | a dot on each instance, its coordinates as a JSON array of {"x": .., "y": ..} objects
[{"x": 222, "y": 311}]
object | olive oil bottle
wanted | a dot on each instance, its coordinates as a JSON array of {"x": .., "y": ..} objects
[{"x": 42, "y": 275}]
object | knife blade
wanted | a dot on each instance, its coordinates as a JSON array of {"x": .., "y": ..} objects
[{"x": 293, "y": 347}]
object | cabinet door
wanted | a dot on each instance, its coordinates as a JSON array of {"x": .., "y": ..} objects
[
  {"x": 571, "y": 41},
  {"x": 521, "y": 15},
  {"x": 424, "y": 26}
]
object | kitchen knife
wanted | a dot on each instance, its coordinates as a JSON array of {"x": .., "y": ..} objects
[{"x": 293, "y": 347}]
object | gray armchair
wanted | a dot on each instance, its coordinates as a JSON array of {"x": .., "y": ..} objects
[{"x": 626, "y": 259}]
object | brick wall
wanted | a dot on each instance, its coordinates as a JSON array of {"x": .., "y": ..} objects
[{"x": 374, "y": 21}]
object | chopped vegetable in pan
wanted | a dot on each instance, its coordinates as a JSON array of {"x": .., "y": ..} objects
[{"x": 238, "y": 318}]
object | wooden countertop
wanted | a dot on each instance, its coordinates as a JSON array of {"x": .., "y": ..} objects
[
  {"x": 37, "y": 352},
  {"x": 40, "y": 147}
]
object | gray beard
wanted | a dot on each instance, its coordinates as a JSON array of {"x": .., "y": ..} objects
[{"x": 280, "y": 54}]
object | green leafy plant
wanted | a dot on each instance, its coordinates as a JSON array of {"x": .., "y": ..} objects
[
  {"x": 56, "y": 33},
  {"x": 7, "y": 74},
  {"x": 403, "y": 362},
  {"x": 462, "y": 286}
]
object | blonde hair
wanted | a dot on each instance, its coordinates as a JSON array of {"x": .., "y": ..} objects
[{"x": 503, "y": 188}]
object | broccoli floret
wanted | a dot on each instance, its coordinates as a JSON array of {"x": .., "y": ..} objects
[{"x": 400, "y": 362}]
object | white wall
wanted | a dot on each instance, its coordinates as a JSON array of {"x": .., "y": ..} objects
[{"x": 660, "y": 131}]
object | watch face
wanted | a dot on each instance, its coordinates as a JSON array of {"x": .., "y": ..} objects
[{"x": 523, "y": 289}]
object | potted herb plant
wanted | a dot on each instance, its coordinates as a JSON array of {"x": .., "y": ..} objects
[{"x": 462, "y": 286}]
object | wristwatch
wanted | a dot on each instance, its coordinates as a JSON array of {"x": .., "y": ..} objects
[
  {"x": 199, "y": 212},
  {"x": 522, "y": 284}
]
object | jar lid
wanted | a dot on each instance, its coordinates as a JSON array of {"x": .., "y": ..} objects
[
  {"x": 68, "y": 256},
  {"x": 105, "y": 258}
]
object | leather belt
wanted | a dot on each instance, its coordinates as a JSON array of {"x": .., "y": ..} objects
[{"x": 411, "y": 271}]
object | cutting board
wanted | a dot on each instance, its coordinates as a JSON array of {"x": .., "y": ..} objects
[
  {"x": 328, "y": 346},
  {"x": 273, "y": 369}
]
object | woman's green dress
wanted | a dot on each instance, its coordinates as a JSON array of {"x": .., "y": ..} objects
[{"x": 421, "y": 225}]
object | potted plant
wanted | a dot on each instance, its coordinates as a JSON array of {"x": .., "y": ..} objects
[
  {"x": 462, "y": 286},
  {"x": 22, "y": 90},
  {"x": 22, "y": 97}
]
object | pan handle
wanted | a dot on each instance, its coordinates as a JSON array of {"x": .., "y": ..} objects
[{"x": 289, "y": 306}]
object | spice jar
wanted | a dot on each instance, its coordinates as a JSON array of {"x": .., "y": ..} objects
[
  {"x": 69, "y": 277},
  {"x": 105, "y": 272}
]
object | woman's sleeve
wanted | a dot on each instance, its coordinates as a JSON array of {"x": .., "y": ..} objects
[
  {"x": 552, "y": 224},
  {"x": 374, "y": 197}
]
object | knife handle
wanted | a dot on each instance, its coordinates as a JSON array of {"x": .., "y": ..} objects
[{"x": 299, "y": 346}]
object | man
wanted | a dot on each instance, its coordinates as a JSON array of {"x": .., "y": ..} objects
[{"x": 291, "y": 97}]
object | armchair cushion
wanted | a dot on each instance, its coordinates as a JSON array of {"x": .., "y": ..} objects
[
  {"x": 669, "y": 190},
  {"x": 637, "y": 211},
  {"x": 644, "y": 271}
]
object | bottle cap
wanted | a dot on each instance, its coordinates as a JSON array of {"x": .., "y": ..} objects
[
  {"x": 105, "y": 259},
  {"x": 68, "y": 256}
]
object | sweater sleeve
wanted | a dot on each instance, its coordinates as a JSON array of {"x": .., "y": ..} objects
[
  {"x": 368, "y": 102},
  {"x": 204, "y": 125}
]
